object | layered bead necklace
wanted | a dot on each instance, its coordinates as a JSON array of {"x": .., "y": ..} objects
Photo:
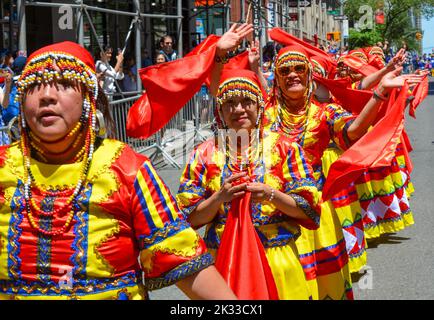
[
  {"x": 71, "y": 69},
  {"x": 294, "y": 125}
]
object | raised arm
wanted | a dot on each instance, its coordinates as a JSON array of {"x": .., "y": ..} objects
[
  {"x": 372, "y": 80},
  {"x": 254, "y": 62},
  {"x": 390, "y": 81},
  {"x": 228, "y": 42}
]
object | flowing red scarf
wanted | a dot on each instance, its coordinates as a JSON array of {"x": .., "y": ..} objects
[
  {"x": 375, "y": 149},
  {"x": 241, "y": 258},
  {"x": 169, "y": 86},
  {"x": 352, "y": 100},
  {"x": 358, "y": 65},
  {"x": 420, "y": 92}
]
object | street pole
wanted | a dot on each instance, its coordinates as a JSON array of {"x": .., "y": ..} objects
[
  {"x": 299, "y": 26},
  {"x": 179, "y": 12},
  {"x": 21, "y": 8},
  {"x": 80, "y": 25},
  {"x": 342, "y": 24},
  {"x": 138, "y": 45},
  {"x": 207, "y": 18}
]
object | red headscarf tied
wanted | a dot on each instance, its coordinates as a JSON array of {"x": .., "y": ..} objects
[
  {"x": 241, "y": 256},
  {"x": 360, "y": 53},
  {"x": 69, "y": 48}
]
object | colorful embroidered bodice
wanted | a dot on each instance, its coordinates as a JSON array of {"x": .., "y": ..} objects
[
  {"x": 125, "y": 222},
  {"x": 282, "y": 166},
  {"x": 321, "y": 124}
]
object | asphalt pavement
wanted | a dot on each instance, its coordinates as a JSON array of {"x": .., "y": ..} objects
[{"x": 400, "y": 266}]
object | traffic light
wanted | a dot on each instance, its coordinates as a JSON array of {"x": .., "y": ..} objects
[
  {"x": 418, "y": 36},
  {"x": 334, "y": 36}
]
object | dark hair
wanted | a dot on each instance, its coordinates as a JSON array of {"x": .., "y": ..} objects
[
  {"x": 167, "y": 36},
  {"x": 102, "y": 104},
  {"x": 160, "y": 54},
  {"x": 105, "y": 48}
]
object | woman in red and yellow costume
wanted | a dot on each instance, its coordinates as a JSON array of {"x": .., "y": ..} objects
[
  {"x": 275, "y": 176},
  {"x": 383, "y": 192},
  {"x": 83, "y": 217},
  {"x": 291, "y": 111}
]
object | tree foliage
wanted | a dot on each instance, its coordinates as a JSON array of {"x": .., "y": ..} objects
[
  {"x": 398, "y": 25},
  {"x": 360, "y": 39}
]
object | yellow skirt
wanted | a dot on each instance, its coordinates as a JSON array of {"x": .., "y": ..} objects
[
  {"x": 324, "y": 258},
  {"x": 287, "y": 272},
  {"x": 349, "y": 212}
]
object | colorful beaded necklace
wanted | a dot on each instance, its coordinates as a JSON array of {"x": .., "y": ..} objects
[
  {"x": 42, "y": 70},
  {"x": 294, "y": 125}
]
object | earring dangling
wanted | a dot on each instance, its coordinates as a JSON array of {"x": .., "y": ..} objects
[{"x": 100, "y": 128}]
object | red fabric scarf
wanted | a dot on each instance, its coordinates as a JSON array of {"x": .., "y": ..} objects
[
  {"x": 375, "y": 149},
  {"x": 358, "y": 65},
  {"x": 169, "y": 86},
  {"x": 241, "y": 258},
  {"x": 287, "y": 39},
  {"x": 350, "y": 99},
  {"x": 420, "y": 92}
]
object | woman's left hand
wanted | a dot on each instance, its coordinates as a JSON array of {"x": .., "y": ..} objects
[
  {"x": 254, "y": 55},
  {"x": 394, "y": 80},
  {"x": 260, "y": 192}
]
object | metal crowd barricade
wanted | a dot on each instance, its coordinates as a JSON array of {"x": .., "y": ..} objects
[{"x": 191, "y": 125}]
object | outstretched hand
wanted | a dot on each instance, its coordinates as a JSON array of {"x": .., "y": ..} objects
[
  {"x": 232, "y": 38},
  {"x": 397, "y": 61},
  {"x": 393, "y": 80}
]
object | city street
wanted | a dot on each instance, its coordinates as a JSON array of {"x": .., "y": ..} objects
[{"x": 400, "y": 265}]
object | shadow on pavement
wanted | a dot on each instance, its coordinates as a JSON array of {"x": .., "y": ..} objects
[{"x": 389, "y": 238}]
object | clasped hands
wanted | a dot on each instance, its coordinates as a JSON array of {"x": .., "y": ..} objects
[{"x": 237, "y": 185}]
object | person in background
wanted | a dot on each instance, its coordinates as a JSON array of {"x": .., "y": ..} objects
[
  {"x": 10, "y": 107},
  {"x": 166, "y": 45},
  {"x": 129, "y": 82},
  {"x": 108, "y": 74},
  {"x": 160, "y": 58},
  {"x": 146, "y": 59},
  {"x": 7, "y": 60}
]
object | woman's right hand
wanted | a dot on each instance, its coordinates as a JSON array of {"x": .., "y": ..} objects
[
  {"x": 120, "y": 57},
  {"x": 233, "y": 187}
]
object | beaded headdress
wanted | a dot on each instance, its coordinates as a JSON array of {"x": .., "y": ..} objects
[
  {"x": 238, "y": 83},
  {"x": 292, "y": 56},
  {"x": 62, "y": 61},
  {"x": 318, "y": 68},
  {"x": 377, "y": 51},
  {"x": 360, "y": 54}
]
